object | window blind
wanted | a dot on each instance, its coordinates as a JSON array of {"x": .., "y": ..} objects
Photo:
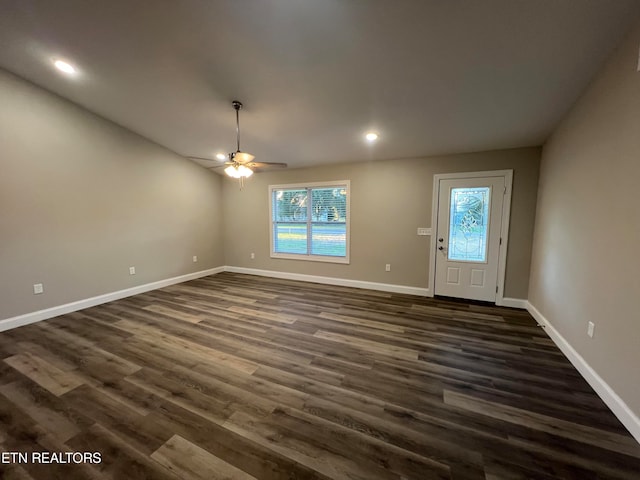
[{"x": 310, "y": 221}]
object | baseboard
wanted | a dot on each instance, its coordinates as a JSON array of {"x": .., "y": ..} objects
[
  {"x": 514, "y": 303},
  {"x": 14, "y": 322},
  {"x": 342, "y": 282},
  {"x": 619, "y": 408}
]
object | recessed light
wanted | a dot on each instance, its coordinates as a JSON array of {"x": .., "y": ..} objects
[
  {"x": 371, "y": 136},
  {"x": 64, "y": 67},
  {"x": 221, "y": 156}
]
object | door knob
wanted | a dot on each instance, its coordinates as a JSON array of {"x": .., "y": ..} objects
[
  {"x": 441, "y": 239},
  {"x": 440, "y": 247}
]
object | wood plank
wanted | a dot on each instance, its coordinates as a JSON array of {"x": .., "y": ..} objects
[
  {"x": 278, "y": 440},
  {"x": 43, "y": 373},
  {"x": 333, "y": 450},
  {"x": 119, "y": 460},
  {"x": 208, "y": 407},
  {"x": 14, "y": 472},
  {"x": 204, "y": 354},
  {"x": 262, "y": 315},
  {"x": 351, "y": 320},
  {"x": 235, "y": 449},
  {"x": 25, "y": 435},
  {"x": 190, "y": 461},
  {"x": 136, "y": 430},
  {"x": 371, "y": 346},
  {"x": 88, "y": 358},
  {"x": 45, "y": 409},
  {"x": 427, "y": 446},
  {"x": 173, "y": 313},
  {"x": 536, "y": 421}
]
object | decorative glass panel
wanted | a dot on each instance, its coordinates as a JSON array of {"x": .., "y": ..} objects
[{"x": 469, "y": 224}]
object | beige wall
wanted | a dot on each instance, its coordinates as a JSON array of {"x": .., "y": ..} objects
[
  {"x": 587, "y": 238},
  {"x": 82, "y": 199},
  {"x": 389, "y": 201}
]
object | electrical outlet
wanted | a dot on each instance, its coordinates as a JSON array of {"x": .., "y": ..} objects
[
  {"x": 195, "y": 258},
  {"x": 387, "y": 267},
  {"x": 38, "y": 288},
  {"x": 590, "y": 328},
  {"x": 253, "y": 256},
  {"x": 132, "y": 270}
]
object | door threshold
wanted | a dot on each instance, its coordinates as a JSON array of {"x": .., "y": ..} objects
[{"x": 466, "y": 301}]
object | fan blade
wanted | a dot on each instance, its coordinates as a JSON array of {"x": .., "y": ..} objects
[
  {"x": 205, "y": 159},
  {"x": 265, "y": 164}
]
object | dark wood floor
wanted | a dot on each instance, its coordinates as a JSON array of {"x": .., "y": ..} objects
[{"x": 241, "y": 377}]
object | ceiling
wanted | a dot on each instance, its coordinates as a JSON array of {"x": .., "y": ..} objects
[{"x": 431, "y": 76}]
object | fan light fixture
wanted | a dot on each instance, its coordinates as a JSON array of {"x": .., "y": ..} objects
[
  {"x": 239, "y": 164},
  {"x": 238, "y": 169}
]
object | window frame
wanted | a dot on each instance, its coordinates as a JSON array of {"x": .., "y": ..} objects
[{"x": 346, "y": 184}]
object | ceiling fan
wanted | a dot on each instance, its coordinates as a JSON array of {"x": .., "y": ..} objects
[{"x": 240, "y": 164}]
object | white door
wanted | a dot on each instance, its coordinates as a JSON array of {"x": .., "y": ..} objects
[{"x": 468, "y": 237}]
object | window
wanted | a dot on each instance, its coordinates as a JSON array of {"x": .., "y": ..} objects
[
  {"x": 468, "y": 223},
  {"x": 310, "y": 221}
]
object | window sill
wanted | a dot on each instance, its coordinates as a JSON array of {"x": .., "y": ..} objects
[{"x": 311, "y": 258}]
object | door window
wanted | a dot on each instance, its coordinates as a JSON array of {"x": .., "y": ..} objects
[{"x": 468, "y": 224}]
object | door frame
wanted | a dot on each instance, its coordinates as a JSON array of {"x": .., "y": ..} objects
[{"x": 504, "y": 227}]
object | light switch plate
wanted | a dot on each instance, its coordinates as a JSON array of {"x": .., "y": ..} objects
[{"x": 424, "y": 231}]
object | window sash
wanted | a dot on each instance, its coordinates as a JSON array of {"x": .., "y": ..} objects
[{"x": 299, "y": 232}]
